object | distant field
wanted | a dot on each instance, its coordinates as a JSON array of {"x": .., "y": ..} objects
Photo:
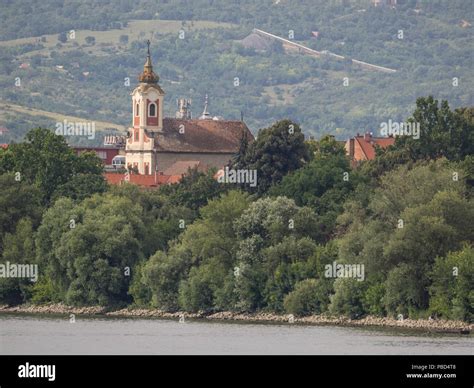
[
  {"x": 12, "y": 109},
  {"x": 282, "y": 94},
  {"x": 136, "y": 30}
]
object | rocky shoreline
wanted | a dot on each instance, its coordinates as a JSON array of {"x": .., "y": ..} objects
[{"x": 442, "y": 326}]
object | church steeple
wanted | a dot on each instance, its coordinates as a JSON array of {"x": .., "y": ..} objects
[
  {"x": 148, "y": 76},
  {"x": 147, "y": 120}
]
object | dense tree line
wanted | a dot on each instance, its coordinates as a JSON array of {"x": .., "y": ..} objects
[{"x": 206, "y": 246}]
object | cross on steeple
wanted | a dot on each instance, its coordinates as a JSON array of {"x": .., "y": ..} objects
[{"x": 148, "y": 76}]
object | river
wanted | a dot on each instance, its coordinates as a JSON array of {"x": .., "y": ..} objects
[{"x": 40, "y": 334}]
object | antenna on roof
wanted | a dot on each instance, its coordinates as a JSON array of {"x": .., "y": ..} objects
[{"x": 241, "y": 116}]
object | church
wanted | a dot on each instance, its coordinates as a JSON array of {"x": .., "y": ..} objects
[{"x": 172, "y": 145}]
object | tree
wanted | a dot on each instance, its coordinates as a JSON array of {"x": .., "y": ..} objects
[
  {"x": 207, "y": 288},
  {"x": 274, "y": 218},
  {"x": 123, "y": 39},
  {"x": 238, "y": 161},
  {"x": 275, "y": 252},
  {"x": 19, "y": 249},
  {"x": 90, "y": 40},
  {"x": 404, "y": 290},
  {"x": 414, "y": 216},
  {"x": 326, "y": 147},
  {"x": 348, "y": 298},
  {"x": 46, "y": 161},
  {"x": 310, "y": 296},
  {"x": 323, "y": 184},
  {"x": 62, "y": 37},
  {"x": 81, "y": 186},
  {"x": 163, "y": 220},
  {"x": 90, "y": 250},
  {"x": 18, "y": 200},
  {"x": 443, "y": 134},
  {"x": 277, "y": 150},
  {"x": 195, "y": 189},
  {"x": 286, "y": 264},
  {"x": 175, "y": 278},
  {"x": 451, "y": 292}
]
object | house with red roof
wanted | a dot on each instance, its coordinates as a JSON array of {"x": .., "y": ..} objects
[
  {"x": 148, "y": 181},
  {"x": 105, "y": 154},
  {"x": 362, "y": 147}
]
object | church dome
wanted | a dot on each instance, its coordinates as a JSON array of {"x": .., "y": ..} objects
[{"x": 148, "y": 76}]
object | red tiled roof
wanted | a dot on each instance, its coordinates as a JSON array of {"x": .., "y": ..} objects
[
  {"x": 4, "y": 146},
  {"x": 210, "y": 136},
  {"x": 367, "y": 145},
  {"x": 182, "y": 166},
  {"x": 174, "y": 179},
  {"x": 142, "y": 180},
  {"x": 384, "y": 142},
  {"x": 95, "y": 148}
]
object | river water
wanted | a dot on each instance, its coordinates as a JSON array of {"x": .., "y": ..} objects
[{"x": 34, "y": 334}]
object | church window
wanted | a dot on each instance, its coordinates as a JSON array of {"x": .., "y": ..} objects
[{"x": 152, "y": 110}]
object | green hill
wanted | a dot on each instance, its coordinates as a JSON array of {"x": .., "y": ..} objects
[{"x": 428, "y": 43}]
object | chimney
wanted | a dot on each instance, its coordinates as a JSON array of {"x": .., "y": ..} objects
[
  {"x": 367, "y": 136},
  {"x": 351, "y": 148}
]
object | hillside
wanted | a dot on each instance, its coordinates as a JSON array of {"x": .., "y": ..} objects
[
  {"x": 16, "y": 118},
  {"x": 91, "y": 74}
]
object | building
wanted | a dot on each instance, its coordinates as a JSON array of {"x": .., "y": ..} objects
[
  {"x": 106, "y": 154},
  {"x": 361, "y": 148},
  {"x": 156, "y": 143},
  {"x": 145, "y": 181}
]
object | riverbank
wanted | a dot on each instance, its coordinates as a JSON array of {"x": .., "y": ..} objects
[{"x": 421, "y": 324}]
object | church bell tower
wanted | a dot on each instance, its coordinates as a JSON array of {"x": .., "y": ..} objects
[{"x": 147, "y": 119}]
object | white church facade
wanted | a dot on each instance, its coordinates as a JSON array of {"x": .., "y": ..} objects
[{"x": 157, "y": 143}]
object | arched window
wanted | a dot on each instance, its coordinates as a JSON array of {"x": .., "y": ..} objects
[
  {"x": 137, "y": 109},
  {"x": 152, "y": 110}
]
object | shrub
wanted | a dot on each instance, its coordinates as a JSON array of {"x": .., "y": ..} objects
[{"x": 310, "y": 296}]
